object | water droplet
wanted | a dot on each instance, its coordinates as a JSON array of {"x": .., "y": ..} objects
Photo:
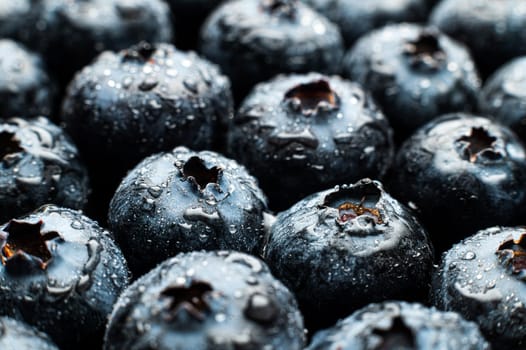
[{"x": 469, "y": 256}]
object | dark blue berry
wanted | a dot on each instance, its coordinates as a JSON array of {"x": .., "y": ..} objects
[
  {"x": 461, "y": 173},
  {"x": 254, "y": 40},
  {"x": 61, "y": 273},
  {"x": 341, "y": 249},
  {"x": 299, "y": 134},
  {"x": 206, "y": 300},
  {"x": 39, "y": 165},
  {"x": 184, "y": 201},
  {"x": 415, "y": 74},
  {"x": 484, "y": 279},
  {"x": 400, "y": 326}
]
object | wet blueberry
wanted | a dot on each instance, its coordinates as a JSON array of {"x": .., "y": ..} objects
[
  {"x": 461, "y": 173},
  {"x": 493, "y": 30},
  {"x": 38, "y": 165},
  {"x": 299, "y": 134},
  {"x": 149, "y": 98},
  {"x": 341, "y": 249},
  {"x": 484, "y": 279},
  {"x": 356, "y": 18},
  {"x": 401, "y": 326},
  {"x": 61, "y": 273},
  {"x": 18, "y": 335},
  {"x": 504, "y": 96},
  {"x": 25, "y": 88},
  {"x": 70, "y": 33},
  {"x": 254, "y": 40},
  {"x": 415, "y": 74},
  {"x": 189, "y": 16},
  {"x": 18, "y": 18},
  {"x": 206, "y": 300},
  {"x": 183, "y": 201}
]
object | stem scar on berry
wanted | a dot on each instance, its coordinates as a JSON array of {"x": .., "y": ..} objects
[
  {"x": 9, "y": 144},
  {"x": 142, "y": 52},
  {"x": 425, "y": 51},
  {"x": 354, "y": 202},
  {"x": 478, "y": 142},
  {"x": 280, "y": 8},
  {"x": 397, "y": 336},
  {"x": 312, "y": 97},
  {"x": 196, "y": 172},
  {"x": 189, "y": 298},
  {"x": 512, "y": 255},
  {"x": 27, "y": 238}
]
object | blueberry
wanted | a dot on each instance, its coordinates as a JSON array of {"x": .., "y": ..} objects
[
  {"x": 415, "y": 74},
  {"x": 149, "y": 98},
  {"x": 503, "y": 96},
  {"x": 18, "y": 19},
  {"x": 484, "y": 279},
  {"x": 356, "y": 18},
  {"x": 343, "y": 248},
  {"x": 493, "y": 30},
  {"x": 25, "y": 88},
  {"x": 253, "y": 40},
  {"x": 206, "y": 300},
  {"x": 299, "y": 134},
  {"x": 39, "y": 165},
  {"x": 461, "y": 173},
  {"x": 70, "y": 33},
  {"x": 401, "y": 326},
  {"x": 62, "y": 273},
  {"x": 183, "y": 201},
  {"x": 189, "y": 16},
  {"x": 18, "y": 335}
]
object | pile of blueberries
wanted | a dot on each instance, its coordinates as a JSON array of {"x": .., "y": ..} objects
[{"x": 263, "y": 174}]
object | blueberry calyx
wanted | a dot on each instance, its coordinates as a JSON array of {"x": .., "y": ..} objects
[
  {"x": 9, "y": 144},
  {"x": 191, "y": 299},
  {"x": 196, "y": 172},
  {"x": 141, "y": 52},
  {"x": 280, "y": 8},
  {"x": 312, "y": 97},
  {"x": 397, "y": 336},
  {"x": 425, "y": 51},
  {"x": 25, "y": 241},
  {"x": 359, "y": 200},
  {"x": 478, "y": 142},
  {"x": 512, "y": 255}
]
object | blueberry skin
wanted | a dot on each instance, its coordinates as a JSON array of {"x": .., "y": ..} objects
[
  {"x": 503, "y": 97},
  {"x": 356, "y": 18},
  {"x": 25, "y": 87},
  {"x": 400, "y": 325},
  {"x": 299, "y": 134},
  {"x": 484, "y": 279},
  {"x": 493, "y": 30},
  {"x": 149, "y": 98},
  {"x": 415, "y": 73},
  {"x": 189, "y": 16},
  {"x": 39, "y": 164},
  {"x": 206, "y": 300},
  {"x": 254, "y": 40},
  {"x": 184, "y": 201},
  {"x": 70, "y": 34},
  {"x": 461, "y": 173},
  {"x": 18, "y": 335},
  {"x": 61, "y": 273},
  {"x": 336, "y": 260},
  {"x": 18, "y": 19}
]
